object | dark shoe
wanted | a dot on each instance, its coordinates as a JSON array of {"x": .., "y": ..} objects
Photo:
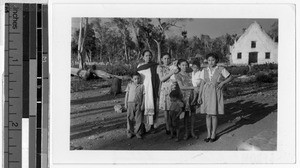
[
  {"x": 206, "y": 139},
  {"x": 168, "y": 132},
  {"x": 212, "y": 139}
]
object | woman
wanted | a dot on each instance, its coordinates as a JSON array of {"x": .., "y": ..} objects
[
  {"x": 151, "y": 86},
  {"x": 165, "y": 72}
]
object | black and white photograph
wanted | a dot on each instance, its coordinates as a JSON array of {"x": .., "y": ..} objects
[
  {"x": 202, "y": 84},
  {"x": 182, "y": 83}
]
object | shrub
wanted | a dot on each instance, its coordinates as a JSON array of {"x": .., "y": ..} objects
[
  {"x": 263, "y": 68},
  {"x": 238, "y": 70},
  {"x": 264, "y": 77}
]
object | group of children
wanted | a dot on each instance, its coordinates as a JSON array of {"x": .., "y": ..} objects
[{"x": 179, "y": 96}]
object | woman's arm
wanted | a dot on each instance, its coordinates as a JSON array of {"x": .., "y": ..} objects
[
  {"x": 166, "y": 77},
  {"x": 200, "y": 91},
  {"x": 228, "y": 79},
  {"x": 126, "y": 99},
  {"x": 182, "y": 87}
]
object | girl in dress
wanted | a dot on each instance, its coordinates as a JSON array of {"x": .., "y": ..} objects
[
  {"x": 164, "y": 72},
  {"x": 148, "y": 71},
  {"x": 210, "y": 94},
  {"x": 184, "y": 81}
]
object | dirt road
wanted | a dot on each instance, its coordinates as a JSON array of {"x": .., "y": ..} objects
[{"x": 95, "y": 125}]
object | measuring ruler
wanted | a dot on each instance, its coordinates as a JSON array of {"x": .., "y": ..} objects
[{"x": 26, "y": 85}]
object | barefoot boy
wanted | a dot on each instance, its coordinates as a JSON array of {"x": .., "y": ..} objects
[{"x": 134, "y": 106}]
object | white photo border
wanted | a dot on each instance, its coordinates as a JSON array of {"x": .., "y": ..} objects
[{"x": 60, "y": 63}]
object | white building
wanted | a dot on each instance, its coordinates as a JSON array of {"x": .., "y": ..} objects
[{"x": 255, "y": 46}]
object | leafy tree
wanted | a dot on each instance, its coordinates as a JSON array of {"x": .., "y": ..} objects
[{"x": 273, "y": 33}]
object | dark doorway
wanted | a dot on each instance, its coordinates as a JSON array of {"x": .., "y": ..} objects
[{"x": 252, "y": 57}]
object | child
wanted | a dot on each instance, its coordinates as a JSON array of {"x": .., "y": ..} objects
[
  {"x": 134, "y": 105},
  {"x": 176, "y": 109},
  {"x": 210, "y": 94},
  {"x": 196, "y": 80},
  {"x": 184, "y": 81}
]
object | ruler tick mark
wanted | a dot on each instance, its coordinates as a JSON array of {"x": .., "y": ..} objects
[
  {"x": 14, "y": 64},
  {"x": 15, "y": 129},
  {"x": 13, "y": 161},
  {"x": 14, "y": 33}
]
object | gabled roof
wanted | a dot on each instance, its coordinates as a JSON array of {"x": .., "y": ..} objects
[{"x": 254, "y": 25}]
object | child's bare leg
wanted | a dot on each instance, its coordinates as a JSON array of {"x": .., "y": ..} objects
[
  {"x": 214, "y": 126},
  {"x": 166, "y": 115},
  {"x": 177, "y": 134},
  {"x": 186, "y": 120},
  {"x": 194, "y": 101},
  {"x": 171, "y": 132},
  {"x": 193, "y": 125},
  {"x": 208, "y": 125}
]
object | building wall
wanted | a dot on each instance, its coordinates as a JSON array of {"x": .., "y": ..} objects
[{"x": 263, "y": 44}]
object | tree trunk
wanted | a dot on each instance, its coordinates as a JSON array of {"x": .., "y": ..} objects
[
  {"x": 148, "y": 44},
  {"x": 128, "y": 54},
  {"x": 89, "y": 56},
  {"x": 158, "y": 51},
  {"x": 125, "y": 51},
  {"x": 81, "y": 43}
]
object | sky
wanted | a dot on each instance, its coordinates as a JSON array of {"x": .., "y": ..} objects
[{"x": 212, "y": 27}]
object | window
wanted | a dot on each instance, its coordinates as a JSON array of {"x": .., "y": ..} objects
[
  {"x": 267, "y": 55},
  {"x": 239, "y": 55},
  {"x": 253, "y": 44}
]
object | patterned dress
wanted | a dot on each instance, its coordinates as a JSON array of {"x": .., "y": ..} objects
[
  {"x": 187, "y": 95},
  {"x": 165, "y": 88},
  {"x": 212, "y": 97}
]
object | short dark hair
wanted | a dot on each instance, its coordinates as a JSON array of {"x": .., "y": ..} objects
[
  {"x": 182, "y": 60},
  {"x": 135, "y": 74},
  {"x": 166, "y": 54},
  {"x": 175, "y": 94},
  {"x": 144, "y": 52},
  {"x": 197, "y": 63},
  {"x": 214, "y": 55}
]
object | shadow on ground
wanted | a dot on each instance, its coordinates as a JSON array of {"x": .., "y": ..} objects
[
  {"x": 238, "y": 114},
  {"x": 105, "y": 97}
]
